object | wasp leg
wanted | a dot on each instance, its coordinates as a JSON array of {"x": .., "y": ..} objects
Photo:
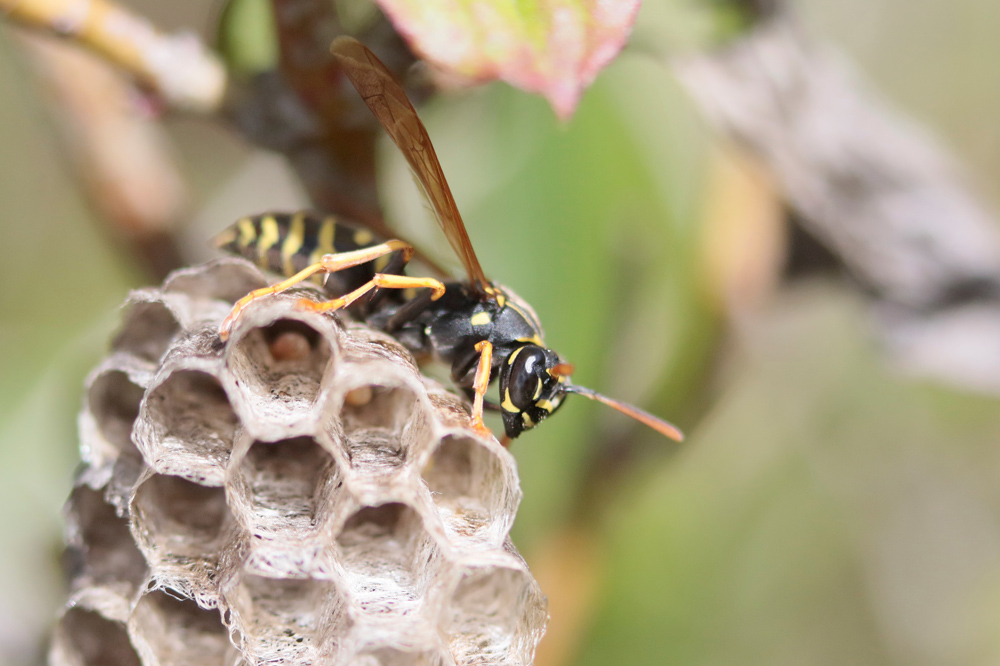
[
  {"x": 488, "y": 405},
  {"x": 394, "y": 265},
  {"x": 480, "y": 384},
  {"x": 378, "y": 280},
  {"x": 409, "y": 311},
  {"x": 328, "y": 263}
]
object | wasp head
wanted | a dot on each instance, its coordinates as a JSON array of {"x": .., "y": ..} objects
[
  {"x": 531, "y": 387},
  {"x": 533, "y": 383}
]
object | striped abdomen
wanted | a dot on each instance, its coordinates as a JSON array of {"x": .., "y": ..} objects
[{"x": 286, "y": 243}]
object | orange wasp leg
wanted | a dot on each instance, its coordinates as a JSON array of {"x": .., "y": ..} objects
[
  {"x": 480, "y": 384},
  {"x": 382, "y": 280},
  {"x": 328, "y": 263}
]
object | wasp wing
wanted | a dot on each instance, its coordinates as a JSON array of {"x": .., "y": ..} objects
[{"x": 387, "y": 100}]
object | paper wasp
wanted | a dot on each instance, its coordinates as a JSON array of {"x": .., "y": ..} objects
[{"x": 479, "y": 328}]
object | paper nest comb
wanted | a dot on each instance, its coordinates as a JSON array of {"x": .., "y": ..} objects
[{"x": 299, "y": 495}]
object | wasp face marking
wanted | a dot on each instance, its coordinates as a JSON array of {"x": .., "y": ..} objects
[{"x": 528, "y": 391}]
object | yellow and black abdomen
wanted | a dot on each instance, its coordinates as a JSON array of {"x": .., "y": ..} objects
[{"x": 286, "y": 243}]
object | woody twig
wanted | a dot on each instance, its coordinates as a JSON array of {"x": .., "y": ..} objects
[{"x": 178, "y": 68}]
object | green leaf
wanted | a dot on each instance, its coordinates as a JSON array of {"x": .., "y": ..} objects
[
  {"x": 555, "y": 48},
  {"x": 247, "y": 38},
  {"x": 826, "y": 512}
]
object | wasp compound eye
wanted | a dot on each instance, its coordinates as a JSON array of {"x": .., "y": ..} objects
[{"x": 527, "y": 376}]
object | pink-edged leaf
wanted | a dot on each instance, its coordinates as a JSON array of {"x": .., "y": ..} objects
[{"x": 552, "y": 47}]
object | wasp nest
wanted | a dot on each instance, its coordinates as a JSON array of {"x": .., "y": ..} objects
[{"x": 298, "y": 495}]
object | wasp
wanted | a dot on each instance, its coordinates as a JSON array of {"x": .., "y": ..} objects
[{"x": 478, "y": 327}]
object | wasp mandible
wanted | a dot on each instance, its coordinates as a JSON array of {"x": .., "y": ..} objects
[{"x": 478, "y": 327}]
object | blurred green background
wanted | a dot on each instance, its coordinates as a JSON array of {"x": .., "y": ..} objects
[{"x": 822, "y": 511}]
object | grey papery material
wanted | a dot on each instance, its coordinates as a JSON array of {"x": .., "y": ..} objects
[{"x": 328, "y": 508}]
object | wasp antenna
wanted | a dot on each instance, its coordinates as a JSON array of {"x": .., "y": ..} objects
[
  {"x": 562, "y": 370},
  {"x": 644, "y": 417}
]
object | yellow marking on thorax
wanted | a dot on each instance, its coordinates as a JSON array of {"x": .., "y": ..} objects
[
  {"x": 481, "y": 319},
  {"x": 268, "y": 237},
  {"x": 363, "y": 237},
  {"x": 534, "y": 339},
  {"x": 293, "y": 242},
  {"x": 528, "y": 421},
  {"x": 531, "y": 321},
  {"x": 247, "y": 232},
  {"x": 547, "y": 405},
  {"x": 507, "y": 405},
  {"x": 501, "y": 299},
  {"x": 538, "y": 389}
]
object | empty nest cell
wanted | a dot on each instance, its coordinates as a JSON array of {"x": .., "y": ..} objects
[
  {"x": 113, "y": 400},
  {"x": 180, "y": 527},
  {"x": 288, "y": 484},
  {"x": 497, "y": 615},
  {"x": 281, "y": 365},
  {"x": 192, "y": 426},
  {"x": 178, "y": 632},
  {"x": 148, "y": 327},
  {"x": 389, "y": 656},
  {"x": 290, "y": 621},
  {"x": 85, "y": 638},
  {"x": 469, "y": 487},
  {"x": 389, "y": 558},
  {"x": 102, "y": 551},
  {"x": 382, "y": 426}
]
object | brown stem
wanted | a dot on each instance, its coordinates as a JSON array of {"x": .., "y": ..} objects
[{"x": 177, "y": 67}]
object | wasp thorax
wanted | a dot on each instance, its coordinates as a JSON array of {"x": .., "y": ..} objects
[{"x": 529, "y": 390}]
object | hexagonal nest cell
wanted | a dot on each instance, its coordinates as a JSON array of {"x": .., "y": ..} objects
[
  {"x": 282, "y": 363},
  {"x": 188, "y": 426},
  {"x": 470, "y": 487},
  {"x": 113, "y": 400},
  {"x": 386, "y": 552},
  {"x": 294, "y": 620},
  {"x": 148, "y": 328},
  {"x": 494, "y": 613},
  {"x": 101, "y": 551},
  {"x": 388, "y": 656},
  {"x": 287, "y": 485},
  {"x": 174, "y": 631},
  {"x": 298, "y": 494},
  {"x": 85, "y": 637}
]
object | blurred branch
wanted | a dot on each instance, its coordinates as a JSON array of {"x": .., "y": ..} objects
[
  {"x": 338, "y": 165},
  {"x": 310, "y": 113},
  {"x": 873, "y": 187},
  {"x": 177, "y": 67},
  {"x": 570, "y": 567},
  {"x": 122, "y": 159}
]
